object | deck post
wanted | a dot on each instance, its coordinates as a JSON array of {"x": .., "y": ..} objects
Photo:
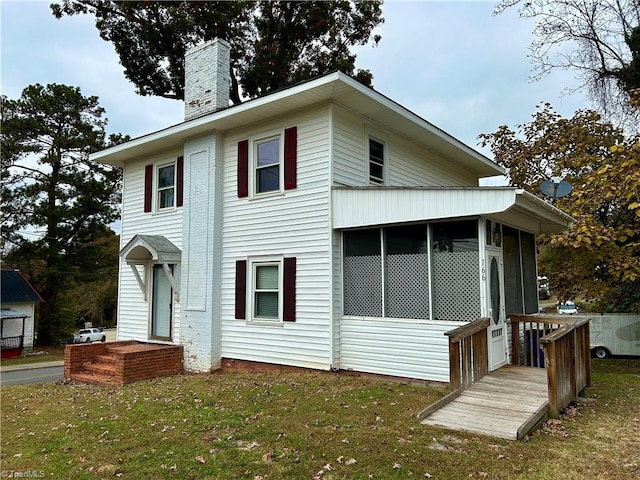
[
  {"x": 454, "y": 366},
  {"x": 468, "y": 354}
]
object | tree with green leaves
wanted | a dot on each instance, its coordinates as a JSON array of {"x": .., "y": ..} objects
[
  {"x": 598, "y": 39},
  {"x": 273, "y": 43},
  {"x": 599, "y": 258},
  {"x": 55, "y": 200}
]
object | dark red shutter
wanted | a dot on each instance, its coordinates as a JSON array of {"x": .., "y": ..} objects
[
  {"x": 179, "y": 180},
  {"x": 289, "y": 300},
  {"x": 148, "y": 187},
  {"x": 290, "y": 158},
  {"x": 243, "y": 168},
  {"x": 241, "y": 289}
]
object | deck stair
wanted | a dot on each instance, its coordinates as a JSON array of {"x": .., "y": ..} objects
[{"x": 506, "y": 403}]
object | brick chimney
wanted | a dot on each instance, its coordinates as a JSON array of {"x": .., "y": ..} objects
[{"x": 206, "y": 78}]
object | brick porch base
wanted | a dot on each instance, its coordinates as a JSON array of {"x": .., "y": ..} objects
[{"x": 117, "y": 363}]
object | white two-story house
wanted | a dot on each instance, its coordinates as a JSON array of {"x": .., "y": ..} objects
[{"x": 322, "y": 226}]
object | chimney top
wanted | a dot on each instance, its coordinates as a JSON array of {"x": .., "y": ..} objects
[{"x": 207, "y": 79}]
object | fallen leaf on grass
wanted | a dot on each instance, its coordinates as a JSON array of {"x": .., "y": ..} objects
[
  {"x": 201, "y": 459},
  {"x": 268, "y": 456}
]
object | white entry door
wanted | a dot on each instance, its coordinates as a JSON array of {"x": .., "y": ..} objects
[
  {"x": 162, "y": 307},
  {"x": 497, "y": 334}
]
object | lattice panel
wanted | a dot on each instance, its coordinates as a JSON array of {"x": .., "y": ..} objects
[
  {"x": 363, "y": 286},
  {"x": 407, "y": 294},
  {"x": 456, "y": 286}
]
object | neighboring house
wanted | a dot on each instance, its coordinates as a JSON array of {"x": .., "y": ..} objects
[
  {"x": 19, "y": 300},
  {"x": 321, "y": 226}
]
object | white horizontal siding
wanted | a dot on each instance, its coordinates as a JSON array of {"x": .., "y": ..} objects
[
  {"x": 337, "y": 295},
  {"x": 400, "y": 348},
  {"x": 409, "y": 164},
  {"x": 133, "y": 310},
  {"x": 294, "y": 224}
]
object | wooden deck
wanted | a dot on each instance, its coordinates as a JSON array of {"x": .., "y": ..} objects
[{"x": 506, "y": 403}]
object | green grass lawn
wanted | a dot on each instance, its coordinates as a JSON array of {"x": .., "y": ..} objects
[
  {"x": 304, "y": 425},
  {"x": 8, "y": 362}
]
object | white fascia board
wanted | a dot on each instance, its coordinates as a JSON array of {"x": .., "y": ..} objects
[
  {"x": 357, "y": 207},
  {"x": 177, "y": 134},
  {"x": 323, "y": 89}
]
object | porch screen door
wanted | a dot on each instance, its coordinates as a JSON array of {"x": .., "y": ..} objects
[
  {"x": 162, "y": 305},
  {"x": 495, "y": 297}
]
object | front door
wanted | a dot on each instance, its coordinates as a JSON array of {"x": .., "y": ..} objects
[
  {"x": 162, "y": 305},
  {"x": 497, "y": 337}
]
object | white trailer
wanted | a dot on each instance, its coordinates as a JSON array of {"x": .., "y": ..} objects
[{"x": 615, "y": 334}]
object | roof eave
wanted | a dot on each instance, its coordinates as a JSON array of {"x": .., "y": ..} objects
[{"x": 336, "y": 87}]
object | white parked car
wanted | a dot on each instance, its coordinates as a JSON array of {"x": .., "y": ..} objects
[
  {"x": 88, "y": 335},
  {"x": 567, "y": 308}
]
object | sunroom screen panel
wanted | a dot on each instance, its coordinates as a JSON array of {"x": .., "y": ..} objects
[
  {"x": 363, "y": 273},
  {"x": 456, "y": 285},
  {"x": 407, "y": 272}
]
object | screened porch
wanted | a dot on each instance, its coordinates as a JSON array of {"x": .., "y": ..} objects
[{"x": 404, "y": 283}]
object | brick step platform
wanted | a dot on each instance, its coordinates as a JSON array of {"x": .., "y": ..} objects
[
  {"x": 93, "y": 378},
  {"x": 118, "y": 363}
]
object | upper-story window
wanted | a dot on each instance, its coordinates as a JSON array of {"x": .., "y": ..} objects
[
  {"x": 163, "y": 185},
  {"x": 376, "y": 152},
  {"x": 267, "y": 165},
  {"x": 166, "y": 186}
]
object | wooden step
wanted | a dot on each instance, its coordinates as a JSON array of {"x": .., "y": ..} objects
[{"x": 93, "y": 378}]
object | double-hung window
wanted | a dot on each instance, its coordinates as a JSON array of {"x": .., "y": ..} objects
[
  {"x": 266, "y": 289},
  {"x": 267, "y": 165},
  {"x": 266, "y": 283},
  {"x": 376, "y": 152},
  {"x": 163, "y": 185},
  {"x": 166, "y": 192}
]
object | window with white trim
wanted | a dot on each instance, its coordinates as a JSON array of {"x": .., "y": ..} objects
[
  {"x": 376, "y": 154},
  {"x": 267, "y": 165},
  {"x": 266, "y": 297},
  {"x": 166, "y": 191}
]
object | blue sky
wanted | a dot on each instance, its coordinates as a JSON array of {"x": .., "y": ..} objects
[{"x": 453, "y": 63}]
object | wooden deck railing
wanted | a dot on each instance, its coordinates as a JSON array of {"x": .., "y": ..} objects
[
  {"x": 468, "y": 361},
  {"x": 566, "y": 354},
  {"x": 526, "y": 332},
  {"x": 468, "y": 354}
]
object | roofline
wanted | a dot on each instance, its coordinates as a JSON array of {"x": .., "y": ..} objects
[
  {"x": 206, "y": 123},
  {"x": 414, "y": 117}
]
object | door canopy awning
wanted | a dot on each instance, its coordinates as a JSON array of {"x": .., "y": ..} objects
[
  {"x": 151, "y": 249},
  {"x": 357, "y": 207},
  {"x": 143, "y": 249}
]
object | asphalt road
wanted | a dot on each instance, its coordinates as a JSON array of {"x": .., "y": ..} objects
[{"x": 31, "y": 375}]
